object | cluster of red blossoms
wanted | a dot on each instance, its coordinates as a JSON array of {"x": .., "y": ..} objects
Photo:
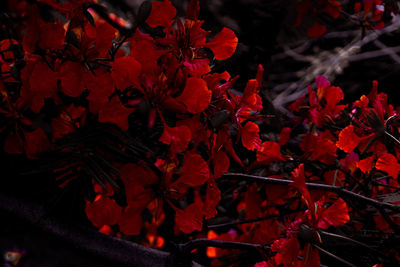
[
  {"x": 61, "y": 75},
  {"x": 368, "y": 14},
  {"x": 87, "y": 71}
]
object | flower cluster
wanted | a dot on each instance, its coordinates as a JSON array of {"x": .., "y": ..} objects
[{"x": 134, "y": 113}]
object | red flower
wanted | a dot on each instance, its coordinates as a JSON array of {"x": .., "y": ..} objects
[
  {"x": 269, "y": 152},
  {"x": 115, "y": 112},
  {"x": 250, "y": 137}
]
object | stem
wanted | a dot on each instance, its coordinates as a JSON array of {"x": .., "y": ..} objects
[
  {"x": 334, "y": 256},
  {"x": 313, "y": 186},
  {"x": 205, "y": 242},
  {"x": 223, "y": 225},
  {"x": 351, "y": 240}
]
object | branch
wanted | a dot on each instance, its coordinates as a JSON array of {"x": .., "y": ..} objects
[
  {"x": 313, "y": 186},
  {"x": 204, "y": 242},
  {"x": 120, "y": 252}
]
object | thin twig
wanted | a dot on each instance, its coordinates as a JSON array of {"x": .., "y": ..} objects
[
  {"x": 313, "y": 186},
  {"x": 334, "y": 256}
]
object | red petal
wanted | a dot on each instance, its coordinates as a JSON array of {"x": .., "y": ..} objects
[
  {"x": 221, "y": 164},
  {"x": 101, "y": 86},
  {"x": 284, "y": 136},
  {"x": 295, "y": 106},
  {"x": 14, "y": 144},
  {"x": 177, "y": 137},
  {"x": 250, "y": 137},
  {"x": 299, "y": 182},
  {"x": 213, "y": 196},
  {"x": 223, "y": 44},
  {"x": 316, "y": 30},
  {"x": 190, "y": 219},
  {"x": 125, "y": 72},
  {"x": 333, "y": 8},
  {"x": 131, "y": 221},
  {"x": 72, "y": 82},
  {"x": 348, "y": 140},
  {"x": 195, "y": 171},
  {"x": 162, "y": 13},
  {"x": 336, "y": 215},
  {"x": 196, "y": 96},
  {"x": 193, "y": 9},
  {"x": 43, "y": 80},
  {"x": 250, "y": 95},
  {"x": 253, "y": 201},
  {"x": 269, "y": 152},
  {"x": 103, "y": 211},
  {"x": 197, "y": 67},
  {"x": 105, "y": 34},
  {"x": 115, "y": 112},
  {"x": 366, "y": 164},
  {"x": 52, "y": 36},
  {"x": 388, "y": 163},
  {"x": 36, "y": 142}
]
